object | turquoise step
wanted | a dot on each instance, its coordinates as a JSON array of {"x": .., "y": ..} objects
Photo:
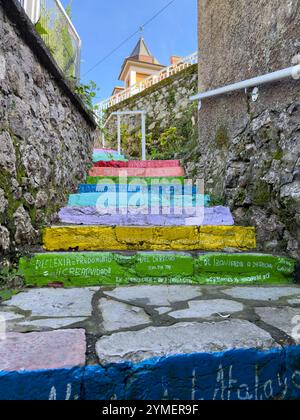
[
  {"x": 107, "y": 157},
  {"x": 134, "y": 200}
]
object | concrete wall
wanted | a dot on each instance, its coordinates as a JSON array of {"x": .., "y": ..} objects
[
  {"x": 46, "y": 134},
  {"x": 249, "y": 152},
  {"x": 171, "y": 118}
]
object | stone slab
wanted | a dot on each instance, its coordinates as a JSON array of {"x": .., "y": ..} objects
[
  {"x": 9, "y": 316},
  {"x": 138, "y": 172},
  {"x": 119, "y": 316},
  {"x": 105, "y": 268},
  {"x": 54, "y": 302},
  {"x": 294, "y": 301},
  {"x": 155, "y": 295},
  {"x": 208, "y": 308},
  {"x": 183, "y": 238},
  {"x": 262, "y": 293},
  {"x": 52, "y": 323},
  {"x": 182, "y": 338},
  {"x": 284, "y": 318},
  {"x": 43, "y": 350},
  {"x": 212, "y": 216},
  {"x": 163, "y": 310}
]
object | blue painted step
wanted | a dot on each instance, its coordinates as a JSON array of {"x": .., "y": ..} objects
[{"x": 93, "y": 188}]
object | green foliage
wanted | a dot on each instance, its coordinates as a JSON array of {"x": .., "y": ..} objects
[
  {"x": 88, "y": 93},
  {"x": 222, "y": 139},
  {"x": 262, "y": 195},
  {"x": 7, "y": 294},
  {"x": 172, "y": 142},
  {"x": 216, "y": 201},
  {"x": 54, "y": 30},
  {"x": 8, "y": 275},
  {"x": 278, "y": 155}
]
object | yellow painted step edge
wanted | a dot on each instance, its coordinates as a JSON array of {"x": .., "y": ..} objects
[{"x": 98, "y": 238}]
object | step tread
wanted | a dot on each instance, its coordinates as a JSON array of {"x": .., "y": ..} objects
[
  {"x": 211, "y": 216},
  {"x": 150, "y": 238},
  {"x": 138, "y": 172},
  {"x": 98, "y": 268}
]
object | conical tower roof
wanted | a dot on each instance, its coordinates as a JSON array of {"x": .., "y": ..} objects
[
  {"x": 141, "y": 49},
  {"x": 141, "y": 56}
]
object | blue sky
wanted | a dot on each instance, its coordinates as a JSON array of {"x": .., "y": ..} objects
[{"x": 103, "y": 24}]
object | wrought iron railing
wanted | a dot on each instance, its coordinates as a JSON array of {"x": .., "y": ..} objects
[
  {"x": 146, "y": 83},
  {"x": 59, "y": 34}
]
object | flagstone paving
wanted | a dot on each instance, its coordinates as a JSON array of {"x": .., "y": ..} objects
[
  {"x": 74, "y": 338},
  {"x": 227, "y": 317}
]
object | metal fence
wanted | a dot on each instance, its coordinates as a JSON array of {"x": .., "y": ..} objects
[{"x": 59, "y": 34}]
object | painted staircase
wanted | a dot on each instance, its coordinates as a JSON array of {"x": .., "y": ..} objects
[{"x": 109, "y": 236}]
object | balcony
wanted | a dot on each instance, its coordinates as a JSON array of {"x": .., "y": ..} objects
[{"x": 54, "y": 25}]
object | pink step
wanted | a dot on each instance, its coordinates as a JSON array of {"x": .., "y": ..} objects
[{"x": 138, "y": 172}]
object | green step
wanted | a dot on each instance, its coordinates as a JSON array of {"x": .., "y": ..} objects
[
  {"x": 111, "y": 268},
  {"x": 116, "y": 180}
]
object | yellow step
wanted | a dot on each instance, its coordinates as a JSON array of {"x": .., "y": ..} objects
[{"x": 185, "y": 238}]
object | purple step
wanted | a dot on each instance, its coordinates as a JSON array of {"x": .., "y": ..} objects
[{"x": 213, "y": 216}]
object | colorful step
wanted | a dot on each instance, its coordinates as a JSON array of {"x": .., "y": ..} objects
[
  {"x": 139, "y": 164},
  {"x": 107, "y": 155},
  {"x": 92, "y": 269},
  {"x": 213, "y": 216},
  {"x": 134, "y": 199},
  {"x": 138, "y": 172},
  {"x": 108, "y": 158},
  {"x": 103, "y": 150},
  {"x": 110, "y": 164},
  {"x": 103, "y": 180},
  {"x": 134, "y": 186},
  {"x": 185, "y": 238}
]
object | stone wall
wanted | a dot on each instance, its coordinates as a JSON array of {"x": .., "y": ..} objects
[
  {"x": 46, "y": 134},
  {"x": 171, "y": 118},
  {"x": 249, "y": 152}
]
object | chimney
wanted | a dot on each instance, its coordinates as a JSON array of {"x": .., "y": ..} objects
[{"x": 175, "y": 59}]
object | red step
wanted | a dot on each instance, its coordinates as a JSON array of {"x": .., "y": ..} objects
[
  {"x": 138, "y": 172},
  {"x": 139, "y": 164},
  {"x": 111, "y": 164},
  {"x": 154, "y": 164}
]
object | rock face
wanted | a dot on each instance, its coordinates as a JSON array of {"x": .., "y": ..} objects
[
  {"x": 171, "y": 118},
  {"x": 249, "y": 152},
  {"x": 46, "y": 135}
]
